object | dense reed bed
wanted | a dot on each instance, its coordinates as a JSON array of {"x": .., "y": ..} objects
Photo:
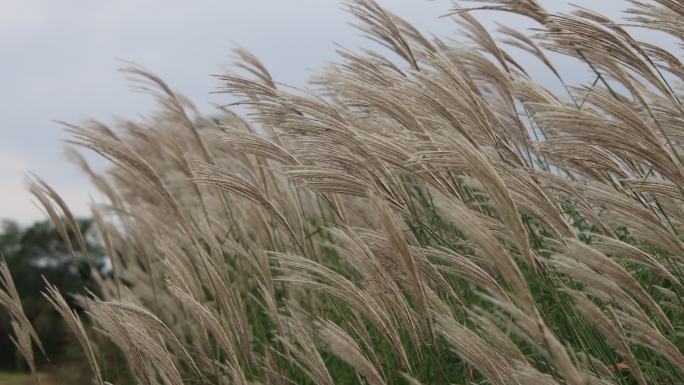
[{"x": 433, "y": 215}]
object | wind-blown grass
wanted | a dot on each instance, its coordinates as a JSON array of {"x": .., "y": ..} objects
[{"x": 434, "y": 217}]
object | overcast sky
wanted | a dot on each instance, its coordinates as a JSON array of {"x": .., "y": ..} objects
[{"x": 58, "y": 61}]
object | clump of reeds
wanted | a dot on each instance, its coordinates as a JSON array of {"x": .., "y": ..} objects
[{"x": 431, "y": 215}]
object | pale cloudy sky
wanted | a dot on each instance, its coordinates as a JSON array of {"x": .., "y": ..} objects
[{"x": 58, "y": 61}]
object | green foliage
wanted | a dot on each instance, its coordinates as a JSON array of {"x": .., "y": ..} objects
[{"x": 36, "y": 253}]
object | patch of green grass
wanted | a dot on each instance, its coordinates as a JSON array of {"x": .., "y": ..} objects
[{"x": 21, "y": 378}]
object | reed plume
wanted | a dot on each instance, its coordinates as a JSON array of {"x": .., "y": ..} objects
[{"x": 431, "y": 213}]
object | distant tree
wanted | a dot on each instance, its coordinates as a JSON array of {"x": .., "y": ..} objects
[{"x": 35, "y": 253}]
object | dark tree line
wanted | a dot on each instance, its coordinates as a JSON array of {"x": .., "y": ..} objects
[{"x": 35, "y": 253}]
